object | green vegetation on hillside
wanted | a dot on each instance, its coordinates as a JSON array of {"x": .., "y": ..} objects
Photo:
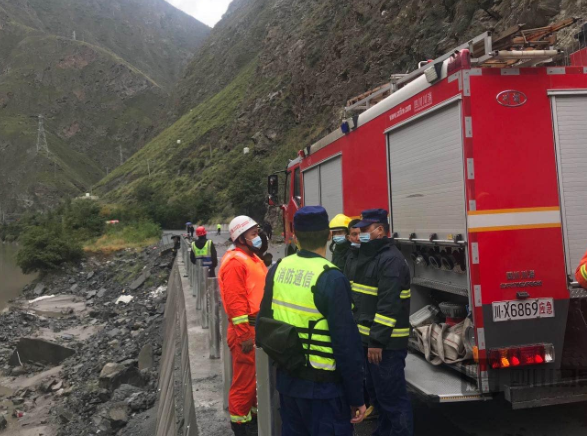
[
  {"x": 50, "y": 240},
  {"x": 195, "y": 179}
]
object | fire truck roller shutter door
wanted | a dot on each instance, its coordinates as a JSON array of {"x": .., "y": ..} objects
[
  {"x": 570, "y": 125},
  {"x": 331, "y": 186},
  {"x": 312, "y": 187},
  {"x": 427, "y": 180}
]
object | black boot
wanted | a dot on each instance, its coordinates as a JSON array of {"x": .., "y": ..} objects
[
  {"x": 239, "y": 429},
  {"x": 252, "y": 428}
]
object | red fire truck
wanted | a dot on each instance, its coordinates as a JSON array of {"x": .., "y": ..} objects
[{"x": 481, "y": 158}]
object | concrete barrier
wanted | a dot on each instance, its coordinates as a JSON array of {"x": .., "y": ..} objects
[
  {"x": 172, "y": 360},
  {"x": 195, "y": 352}
]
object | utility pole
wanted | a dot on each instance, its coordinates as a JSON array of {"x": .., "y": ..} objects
[
  {"x": 149, "y": 168},
  {"x": 120, "y": 148},
  {"x": 41, "y": 137},
  {"x": 73, "y": 36}
]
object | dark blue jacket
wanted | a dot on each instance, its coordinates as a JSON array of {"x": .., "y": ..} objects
[{"x": 332, "y": 297}]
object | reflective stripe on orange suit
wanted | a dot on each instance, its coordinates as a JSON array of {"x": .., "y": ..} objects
[
  {"x": 242, "y": 283},
  {"x": 581, "y": 273}
]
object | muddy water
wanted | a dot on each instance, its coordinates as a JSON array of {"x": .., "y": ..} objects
[{"x": 12, "y": 279}]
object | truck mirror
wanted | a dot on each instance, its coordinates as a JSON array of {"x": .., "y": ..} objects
[{"x": 273, "y": 185}]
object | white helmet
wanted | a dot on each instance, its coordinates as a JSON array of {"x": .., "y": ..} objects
[{"x": 240, "y": 225}]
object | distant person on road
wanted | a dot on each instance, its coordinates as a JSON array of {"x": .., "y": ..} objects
[
  {"x": 268, "y": 229},
  {"x": 242, "y": 281},
  {"x": 381, "y": 293},
  {"x": 218, "y": 229},
  {"x": 190, "y": 230},
  {"x": 581, "y": 273},
  {"x": 323, "y": 394},
  {"x": 339, "y": 226},
  {"x": 203, "y": 249}
]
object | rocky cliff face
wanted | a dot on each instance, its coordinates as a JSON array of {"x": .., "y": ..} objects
[
  {"x": 99, "y": 71},
  {"x": 275, "y": 74}
]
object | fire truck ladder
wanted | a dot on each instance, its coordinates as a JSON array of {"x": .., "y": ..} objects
[{"x": 515, "y": 47}]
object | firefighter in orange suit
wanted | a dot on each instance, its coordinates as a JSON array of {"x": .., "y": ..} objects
[
  {"x": 581, "y": 273},
  {"x": 242, "y": 281}
]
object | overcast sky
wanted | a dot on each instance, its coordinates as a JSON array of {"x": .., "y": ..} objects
[{"x": 207, "y": 11}]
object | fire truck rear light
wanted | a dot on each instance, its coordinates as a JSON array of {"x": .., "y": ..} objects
[{"x": 520, "y": 356}]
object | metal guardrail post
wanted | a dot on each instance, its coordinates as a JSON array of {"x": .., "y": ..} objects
[
  {"x": 226, "y": 360},
  {"x": 205, "y": 298},
  {"x": 215, "y": 308},
  {"x": 269, "y": 419},
  {"x": 198, "y": 273}
]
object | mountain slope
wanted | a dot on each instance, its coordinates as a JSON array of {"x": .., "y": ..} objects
[
  {"x": 151, "y": 35},
  {"x": 278, "y": 72},
  {"x": 102, "y": 94}
]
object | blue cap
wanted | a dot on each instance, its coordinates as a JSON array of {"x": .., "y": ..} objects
[
  {"x": 372, "y": 216},
  {"x": 311, "y": 219}
]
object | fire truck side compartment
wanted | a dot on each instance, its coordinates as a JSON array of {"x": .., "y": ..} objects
[{"x": 570, "y": 129}]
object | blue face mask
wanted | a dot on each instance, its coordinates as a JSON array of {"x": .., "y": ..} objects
[
  {"x": 355, "y": 244},
  {"x": 365, "y": 237},
  {"x": 257, "y": 242},
  {"x": 339, "y": 239}
]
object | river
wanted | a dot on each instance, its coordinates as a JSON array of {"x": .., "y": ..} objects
[{"x": 12, "y": 280}]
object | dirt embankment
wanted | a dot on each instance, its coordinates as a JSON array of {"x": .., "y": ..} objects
[{"x": 79, "y": 352}]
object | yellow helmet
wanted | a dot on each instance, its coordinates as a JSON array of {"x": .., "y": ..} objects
[{"x": 340, "y": 222}]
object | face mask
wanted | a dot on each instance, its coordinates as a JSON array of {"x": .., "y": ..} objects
[
  {"x": 257, "y": 242},
  {"x": 339, "y": 239},
  {"x": 366, "y": 237},
  {"x": 355, "y": 244}
]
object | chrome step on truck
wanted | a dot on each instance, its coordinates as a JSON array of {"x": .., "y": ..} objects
[{"x": 439, "y": 384}]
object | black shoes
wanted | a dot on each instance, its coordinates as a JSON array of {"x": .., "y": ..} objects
[{"x": 248, "y": 429}]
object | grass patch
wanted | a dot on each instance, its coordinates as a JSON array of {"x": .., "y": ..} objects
[{"x": 119, "y": 237}]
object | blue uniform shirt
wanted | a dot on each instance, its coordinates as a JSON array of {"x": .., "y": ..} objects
[{"x": 332, "y": 297}]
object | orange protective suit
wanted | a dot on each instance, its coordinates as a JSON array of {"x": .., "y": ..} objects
[
  {"x": 242, "y": 283},
  {"x": 581, "y": 273}
]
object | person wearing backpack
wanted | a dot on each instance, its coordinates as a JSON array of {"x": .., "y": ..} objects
[{"x": 306, "y": 325}]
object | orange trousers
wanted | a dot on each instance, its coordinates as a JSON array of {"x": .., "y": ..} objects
[{"x": 242, "y": 397}]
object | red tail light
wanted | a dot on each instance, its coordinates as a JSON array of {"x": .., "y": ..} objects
[{"x": 520, "y": 356}]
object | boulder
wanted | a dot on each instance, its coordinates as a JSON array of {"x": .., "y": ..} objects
[
  {"x": 118, "y": 415},
  {"x": 146, "y": 357},
  {"x": 39, "y": 289},
  {"x": 90, "y": 275},
  {"x": 65, "y": 416},
  {"x": 18, "y": 370},
  {"x": 39, "y": 351},
  {"x": 139, "y": 281},
  {"x": 74, "y": 288},
  {"x": 115, "y": 374},
  {"x": 101, "y": 293}
]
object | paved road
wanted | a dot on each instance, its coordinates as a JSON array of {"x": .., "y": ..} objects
[{"x": 493, "y": 418}]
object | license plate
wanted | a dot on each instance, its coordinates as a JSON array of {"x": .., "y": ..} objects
[{"x": 526, "y": 309}]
